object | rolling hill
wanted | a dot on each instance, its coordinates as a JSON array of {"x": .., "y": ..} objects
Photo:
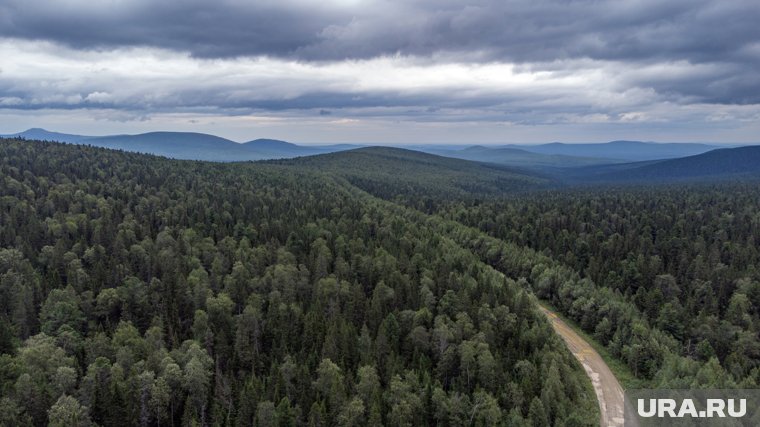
[
  {"x": 418, "y": 177},
  {"x": 274, "y": 149},
  {"x": 158, "y": 273},
  {"x": 627, "y": 151},
  {"x": 717, "y": 164},
  {"x": 178, "y": 145},
  {"x": 187, "y": 145},
  {"x": 45, "y": 135},
  {"x": 200, "y": 146},
  {"x": 521, "y": 158}
]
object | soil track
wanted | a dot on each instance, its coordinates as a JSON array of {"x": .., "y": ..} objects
[{"x": 608, "y": 391}]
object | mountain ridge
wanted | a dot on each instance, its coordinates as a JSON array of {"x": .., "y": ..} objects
[
  {"x": 621, "y": 150},
  {"x": 202, "y": 146},
  {"x": 719, "y": 163},
  {"x": 186, "y": 145},
  {"x": 390, "y": 172},
  {"x": 46, "y": 135},
  {"x": 520, "y": 158}
]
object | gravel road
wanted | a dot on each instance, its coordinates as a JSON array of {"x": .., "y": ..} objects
[{"x": 607, "y": 388}]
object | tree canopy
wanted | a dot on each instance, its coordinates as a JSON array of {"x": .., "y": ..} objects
[{"x": 145, "y": 291}]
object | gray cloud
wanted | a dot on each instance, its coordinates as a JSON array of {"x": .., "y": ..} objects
[
  {"x": 532, "y": 32},
  {"x": 206, "y": 29},
  {"x": 515, "y": 30},
  {"x": 586, "y": 62}
]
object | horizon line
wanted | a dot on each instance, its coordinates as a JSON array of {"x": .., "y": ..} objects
[{"x": 400, "y": 144}]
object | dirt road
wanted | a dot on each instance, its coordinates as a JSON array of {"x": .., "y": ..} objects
[{"x": 607, "y": 388}]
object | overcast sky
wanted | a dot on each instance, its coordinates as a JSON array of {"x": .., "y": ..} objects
[{"x": 389, "y": 71}]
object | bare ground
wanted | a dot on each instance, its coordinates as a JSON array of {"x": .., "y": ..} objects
[{"x": 608, "y": 391}]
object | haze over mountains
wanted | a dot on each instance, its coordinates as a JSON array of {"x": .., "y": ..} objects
[
  {"x": 721, "y": 163},
  {"x": 45, "y": 135},
  {"x": 616, "y": 161},
  {"x": 622, "y": 150},
  {"x": 188, "y": 145},
  {"x": 520, "y": 157}
]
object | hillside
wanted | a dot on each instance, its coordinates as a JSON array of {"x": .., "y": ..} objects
[
  {"x": 178, "y": 145},
  {"x": 630, "y": 151},
  {"x": 418, "y": 177},
  {"x": 188, "y": 145},
  {"x": 45, "y": 135},
  {"x": 264, "y": 144},
  {"x": 199, "y": 146},
  {"x": 520, "y": 158},
  {"x": 136, "y": 289},
  {"x": 662, "y": 274},
  {"x": 713, "y": 165}
]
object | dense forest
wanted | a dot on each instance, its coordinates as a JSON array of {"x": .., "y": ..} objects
[
  {"x": 371, "y": 287},
  {"x": 662, "y": 275},
  {"x": 423, "y": 181},
  {"x": 137, "y": 290},
  {"x": 665, "y": 276}
]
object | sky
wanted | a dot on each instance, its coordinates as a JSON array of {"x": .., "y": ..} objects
[{"x": 385, "y": 71}]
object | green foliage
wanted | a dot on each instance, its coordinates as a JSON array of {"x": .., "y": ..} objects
[
  {"x": 68, "y": 412},
  {"x": 652, "y": 273},
  {"x": 147, "y": 291},
  {"x": 422, "y": 180}
]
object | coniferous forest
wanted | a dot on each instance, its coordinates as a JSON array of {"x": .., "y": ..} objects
[
  {"x": 665, "y": 277},
  {"x": 371, "y": 287},
  {"x": 350, "y": 213},
  {"x": 138, "y": 290}
]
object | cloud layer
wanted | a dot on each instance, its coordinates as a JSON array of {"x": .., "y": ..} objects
[
  {"x": 517, "y": 62},
  {"x": 512, "y": 31}
]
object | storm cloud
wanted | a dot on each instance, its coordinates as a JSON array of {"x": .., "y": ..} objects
[
  {"x": 516, "y": 62},
  {"x": 516, "y": 31}
]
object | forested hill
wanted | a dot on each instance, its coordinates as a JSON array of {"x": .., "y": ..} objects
[
  {"x": 421, "y": 179},
  {"x": 187, "y": 145},
  {"x": 664, "y": 276},
  {"x": 631, "y": 151},
  {"x": 138, "y": 290},
  {"x": 519, "y": 157},
  {"x": 39, "y": 134},
  {"x": 199, "y": 146},
  {"x": 716, "y": 164}
]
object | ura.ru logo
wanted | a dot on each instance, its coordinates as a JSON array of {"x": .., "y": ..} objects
[{"x": 664, "y": 408}]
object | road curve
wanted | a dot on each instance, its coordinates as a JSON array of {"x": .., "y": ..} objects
[{"x": 608, "y": 391}]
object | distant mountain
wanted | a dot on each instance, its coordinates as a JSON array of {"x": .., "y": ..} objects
[
  {"x": 390, "y": 172},
  {"x": 629, "y": 151},
  {"x": 716, "y": 164},
  {"x": 546, "y": 157},
  {"x": 272, "y": 144},
  {"x": 331, "y": 148},
  {"x": 178, "y": 145},
  {"x": 273, "y": 148},
  {"x": 518, "y": 157},
  {"x": 44, "y": 135},
  {"x": 188, "y": 145}
]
